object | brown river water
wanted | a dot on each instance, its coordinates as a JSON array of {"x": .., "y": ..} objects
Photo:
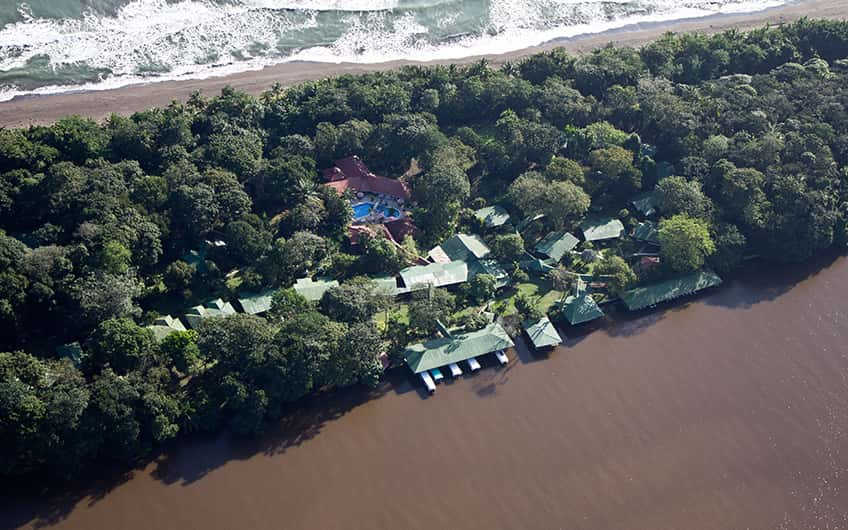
[{"x": 726, "y": 412}]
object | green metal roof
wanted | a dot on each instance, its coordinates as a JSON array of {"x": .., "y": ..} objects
[
  {"x": 556, "y": 244},
  {"x": 647, "y": 232},
  {"x": 645, "y": 203},
  {"x": 464, "y": 246},
  {"x": 489, "y": 266},
  {"x": 542, "y": 333},
  {"x": 213, "y": 308},
  {"x": 492, "y": 216},
  {"x": 599, "y": 228},
  {"x": 197, "y": 259},
  {"x": 471, "y": 250},
  {"x": 538, "y": 266},
  {"x": 649, "y": 295},
  {"x": 72, "y": 351},
  {"x": 580, "y": 308},
  {"x": 256, "y": 303},
  {"x": 313, "y": 290},
  {"x": 389, "y": 285},
  {"x": 435, "y": 274},
  {"x": 164, "y": 326},
  {"x": 442, "y": 351}
]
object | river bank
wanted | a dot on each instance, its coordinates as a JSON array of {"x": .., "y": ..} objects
[
  {"x": 728, "y": 411},
  {"x": 100, "y": 104}
]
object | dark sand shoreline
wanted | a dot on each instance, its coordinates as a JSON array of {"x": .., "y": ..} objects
[{"x": 35, "y": 110}]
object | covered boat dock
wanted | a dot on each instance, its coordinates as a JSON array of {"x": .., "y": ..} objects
[
  {"x": 429, "y": 357},
  {"x": 683, "y": 285}
]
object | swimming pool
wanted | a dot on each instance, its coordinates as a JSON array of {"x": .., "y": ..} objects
[
  {"x": 362, "y": 210},
  {"x": 388, "y": 212}
]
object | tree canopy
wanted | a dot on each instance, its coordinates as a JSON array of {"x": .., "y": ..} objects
[{"x": 686, "y": 242}]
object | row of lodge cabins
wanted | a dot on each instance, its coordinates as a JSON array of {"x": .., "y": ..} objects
[
  {"x": 454, "y": 262},
  {"x": 250, "y": 303},
  {"x": 435, "y": 358}
]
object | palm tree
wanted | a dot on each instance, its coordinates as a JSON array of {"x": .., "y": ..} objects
[
  {"x": 563, "y": 280},
  {"x": 308, "y": 190}
]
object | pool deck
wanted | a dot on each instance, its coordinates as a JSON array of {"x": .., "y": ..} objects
[{"x": 379, "y": 205}]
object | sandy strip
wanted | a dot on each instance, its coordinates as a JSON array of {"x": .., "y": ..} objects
[{"x": 126, "y": 100}]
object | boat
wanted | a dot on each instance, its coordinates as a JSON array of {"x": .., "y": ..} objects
[{"x": 428, "y": 382}]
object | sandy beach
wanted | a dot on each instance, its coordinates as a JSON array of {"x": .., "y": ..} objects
[{"x": 100, "y": 104}]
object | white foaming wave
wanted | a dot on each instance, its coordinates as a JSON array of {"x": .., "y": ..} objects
[
  {"x": 513, "y": 22},
  {"x": 345, "y": 5},
  {"x": 148, "y": 32},
  {"x": 336, "y": 5},
  {"x": 361, "y": 39},
  {"x": 515, "y": 26}
]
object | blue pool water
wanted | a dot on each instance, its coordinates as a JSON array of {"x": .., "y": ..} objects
[
  {"x": 388, "y": 212},
  {"x": 362, "y": 209}
]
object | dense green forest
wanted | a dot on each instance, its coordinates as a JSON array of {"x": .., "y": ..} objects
[{"x": 743, "y": 137}]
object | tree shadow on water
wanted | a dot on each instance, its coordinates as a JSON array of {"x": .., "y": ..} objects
[
  {"x": 303, "y": 421},
  {"x": 764, "y": 282},
  {"x": 525, "y": 352},
  {"x": 628, "y": 324},
  {"x": 572, "y": 335},
  {"x": 182, "y": 462},
  {"x": 306, "y": 421},
  {"x": 29, "y": 504}
]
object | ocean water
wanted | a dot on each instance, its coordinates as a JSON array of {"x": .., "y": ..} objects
[{"x": 49, "y": 46}]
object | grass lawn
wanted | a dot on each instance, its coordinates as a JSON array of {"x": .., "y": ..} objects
[
  {"x": 399, "y": 311},
  {"x": 466, "y": 311},
  {"x": 540, "y": 288},
  {"x": 503, "y": 304}
]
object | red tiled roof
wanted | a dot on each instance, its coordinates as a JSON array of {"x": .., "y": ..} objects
[
  {"x": 647, "y": 263},
  {"x": 332, "y": 174},
  {"x": 438, "y": 255},
  {"x": 350, "y": 167},
  {"x": 352, "y": 173},
  {"x": 353, "y": 166},
  {"x": 372, "y": 184},
  {"x": 400, "y": 228}
]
